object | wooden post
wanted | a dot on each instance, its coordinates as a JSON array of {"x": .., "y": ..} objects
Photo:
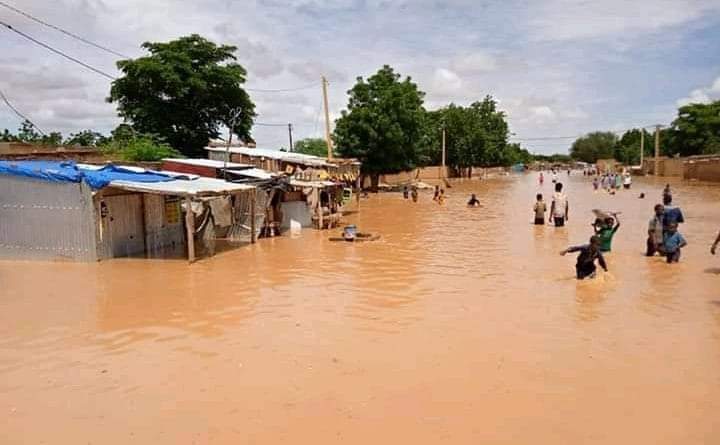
[
  {"x": 252, "y": 217},
  {"x": 657, "y": 149},
  {"x": 190, "y": 226},
  {"x": 328, "y": 141},
  {"x": 442, "y": 172},
  {"x": 319, "y": 208}
]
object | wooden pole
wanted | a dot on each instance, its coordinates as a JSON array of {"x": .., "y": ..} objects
[
  {"x": 190, "y": 226},
  {"x": 252, "y": 216},
  {"x": 642, "y": 147},
  {"x": 319, "y": 208},
  {"x": 290, "y": 137},
  {"x": 328, "y": 141},
  {"x": 442, "y": 172},
  {"x": 657, "y": 149}
]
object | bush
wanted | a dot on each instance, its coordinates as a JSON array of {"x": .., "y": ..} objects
[{"x": 141, "y": 148}]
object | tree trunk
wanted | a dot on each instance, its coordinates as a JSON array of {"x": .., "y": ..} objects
[
  {"x": 374, "y": 182},
  {"x": 469, "y": 172}
]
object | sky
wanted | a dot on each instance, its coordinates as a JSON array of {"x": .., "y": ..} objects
[{"x": 558, "y": 68}]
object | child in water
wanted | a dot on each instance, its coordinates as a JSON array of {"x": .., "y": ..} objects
[
  {"x": 673, "y": 243},
  {"x": 605, "y": 231},
  {"x": 540, "y": 209},
  {"x": 474, "y": 202},
  {"x": 585, "y": 266},
  {"x": 414, "y": 194},
  {"x": 441, "y": 197}
]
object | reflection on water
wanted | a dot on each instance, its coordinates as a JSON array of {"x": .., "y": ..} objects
[{"x": 459, "y": 325}]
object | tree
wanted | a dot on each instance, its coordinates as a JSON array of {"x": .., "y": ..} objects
[
  {"x": 311, "y": 146},
  {"x": 627, "y": 149},
  {"x": 382, "y": 124},
  {"x": 594, "y": 146},
  {"x": 6, "y": 136},
  {"x": 695, "y": 131},
  {"x": 183, "y": 91},
  {"x": 27, "y": 133},
  {"x": 53, "y": 139},
  {"x": 139, "y": 148},
  {"x": 474, "y": 136},
  {"x": 85, "y": 138}
]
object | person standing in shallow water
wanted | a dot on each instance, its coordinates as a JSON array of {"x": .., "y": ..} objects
[
  {"x": 655, "y": 241},
  {"x": 473, "y": 202},
  {"x": 559, "y": 209},
  {"x": 414, "y": 194},
  {"x": 585, "y": 265},
  {"x": 540, "y": 209},
  {"x": 606, "y": 231},
  {"x": 673, "y": 243},
  {"x": 437, "y": 193}
]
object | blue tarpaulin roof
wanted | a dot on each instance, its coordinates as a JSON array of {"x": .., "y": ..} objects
[{"x": 55, "y": 171}]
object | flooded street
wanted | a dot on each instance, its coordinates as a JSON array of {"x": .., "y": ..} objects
[{"x": 459, "y": 326}]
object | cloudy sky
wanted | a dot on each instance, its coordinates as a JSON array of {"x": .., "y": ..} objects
[{"x": 557, "y": 67}]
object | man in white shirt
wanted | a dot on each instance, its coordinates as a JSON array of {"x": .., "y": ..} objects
[{"x": 559, "y": 209}]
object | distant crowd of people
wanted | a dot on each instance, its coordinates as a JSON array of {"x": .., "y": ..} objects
[{"x": 663, "y": 236}]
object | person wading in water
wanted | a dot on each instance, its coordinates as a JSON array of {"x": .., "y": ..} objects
[{"x": 559, "y": 209}]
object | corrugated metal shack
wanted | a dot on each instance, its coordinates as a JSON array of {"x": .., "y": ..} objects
[
  {"x": 61, "y": 210},
  {"x": 300, "y": 200},
  {"x": 277, "y": 161}
]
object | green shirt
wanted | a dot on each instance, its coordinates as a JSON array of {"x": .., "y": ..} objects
[{"x": 606, "y": 236}]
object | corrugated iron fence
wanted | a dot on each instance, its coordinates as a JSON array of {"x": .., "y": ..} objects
[{"x": 46, "y": 220}]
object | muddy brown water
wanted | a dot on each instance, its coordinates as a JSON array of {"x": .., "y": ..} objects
[{"x": 458, "y": 326}]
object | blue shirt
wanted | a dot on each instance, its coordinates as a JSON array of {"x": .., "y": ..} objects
[
  {"x": 672, "y": 215},
  {"x": 673, "y": 241}
]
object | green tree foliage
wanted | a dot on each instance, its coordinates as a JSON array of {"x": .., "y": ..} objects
[
  {"x": 7, "y": 136},
  {"x": 184, "y": 91},
  {"x": 27, "y": 133},
  {"x": 594, "y": 146},
  {"x": 474, "y": 136},
  {"x": 85, "y": 138},
  {"x": 311, "y": 146},
  {"x": 556, "y": 158},
  {"x": 627, "y": 149},
  {"x": 695, "y": 131},
  {"x": 139, "y": 148},
  {"x": 382, "y": 125}
]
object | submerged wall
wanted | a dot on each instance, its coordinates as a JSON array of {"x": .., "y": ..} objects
[
  {"x": 44, "y": 220},
  {"x": 702, "y": 169}
]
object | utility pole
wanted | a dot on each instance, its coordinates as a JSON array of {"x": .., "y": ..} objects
[
  {"x": 442, "y": 171},
  {"x": 328, "y": 141},
  {"x": 657, "y": 149},
  {"x": 290, "y": 136},
  {"x": 642, "y": 148}
]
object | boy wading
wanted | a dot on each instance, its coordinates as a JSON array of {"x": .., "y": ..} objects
[
  {"x": 585, "y": 265},
  {"x": 559, "y": 207}
]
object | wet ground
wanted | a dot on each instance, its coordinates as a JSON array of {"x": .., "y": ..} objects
[{"x": 459, "y": 326}]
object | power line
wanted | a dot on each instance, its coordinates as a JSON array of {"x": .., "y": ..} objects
[
  {"x": 15, "y": 110},
  {"x": 67, "y": 33},
  {"x": 56, "y": 51}
]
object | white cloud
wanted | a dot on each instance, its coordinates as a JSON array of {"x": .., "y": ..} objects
[
  {"x": 474, "y": 63},
  {"x": 702, "y": 95},
  {"x": 582, "y": 19},
  {"x": 446, "y": 81},
  {"x": 716, "y": 86}
]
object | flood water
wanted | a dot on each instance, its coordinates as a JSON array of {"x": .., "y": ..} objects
[{"x": 459, "y": 326}]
